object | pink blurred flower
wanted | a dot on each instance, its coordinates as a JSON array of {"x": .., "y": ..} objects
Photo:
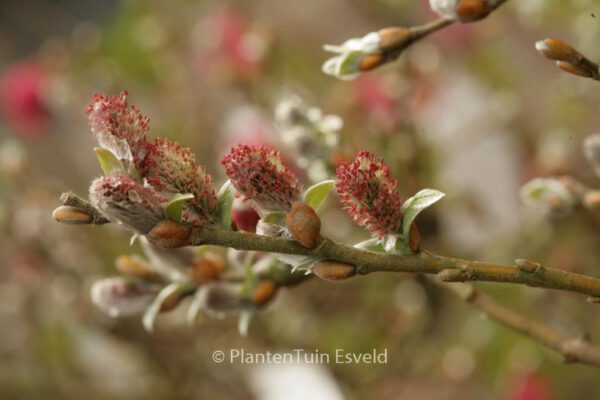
[
  {"x": 233, "y": 45},
  {"x": 377, "y": 99},
  {"x": 529, "y": 387},
  {"x": 21, "y": 99}
]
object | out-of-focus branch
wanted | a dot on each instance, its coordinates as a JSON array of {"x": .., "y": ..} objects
[
  {"x": 574, "y": 350},
  {"x": 378, "y": 48},
  {"x": 568, "y": 59}
]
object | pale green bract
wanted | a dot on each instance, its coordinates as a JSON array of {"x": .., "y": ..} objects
[
  {"x": 413, "y": 207},
  {"x": 316, "y": 194},
  {"x": 174, "y": 207},
  {"x": 109, "y": 162}
]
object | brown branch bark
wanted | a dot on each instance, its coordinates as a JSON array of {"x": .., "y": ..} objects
[
  {"x": 449, "y": 269},
  {"x": 574, "y": 350}
]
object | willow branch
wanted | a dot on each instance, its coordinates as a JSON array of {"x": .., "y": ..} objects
[
  {"x": 448, "y": 269},
  {"x": 419, "y": 32},
  {"x": 574, "y": 349}
]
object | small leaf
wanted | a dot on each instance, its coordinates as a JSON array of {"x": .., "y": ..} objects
[
  {"x": 413, "y": 206},
  {"x": 373, "y": 244},
  {"x": 174, "y": 207},
  {"x": 225, "y": 200},
  {"x": 275, "y": 218},
  {"x": 108, "y": 161},
  {"x": 154, "y": 308},
  {"x": 316, "y": 194},
  {"x": 244, "y": 322},
  {"x": 198, "y": 303},
  {"x": 349, "y": 63}
]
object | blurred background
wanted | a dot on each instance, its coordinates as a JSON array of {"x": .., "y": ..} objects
[{"x": 473, "y": 111}]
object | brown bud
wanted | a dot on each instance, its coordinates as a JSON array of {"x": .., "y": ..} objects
[
  {"x": 473, "y": 10},
  {"x": 333, "y": 270},
  {"x": 304, "y": 224},
  {"x": 574, "y": 69},
  {"x": 135, "y": 267},
  {"x": 558, "y": 50},
  {"x": 207, "y": 268},
  {"x": 394, "y": 38},
  {"x": 263, "y": 293},
  {"x": 172, "y": 301},
  {"x": 71, "y": 215},
  {"x": 414, "y": 239},
  {"x": 169, "y": 235},
  {"x": 591, "y": 200},
  {"x": 371, "y": 61}
]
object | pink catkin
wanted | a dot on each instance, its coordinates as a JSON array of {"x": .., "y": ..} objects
[
  {"x": 114, "y": 116},
  {"x": 369, "y": 194},
  {"x": 259, "y": 174},
  {"x": 122, "y": 198},
  {"x": 171, "y": 168}
]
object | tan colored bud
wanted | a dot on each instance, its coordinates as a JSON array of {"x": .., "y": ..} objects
[
  {"x": 172, "y": 301},
  {"x": 71, "y": 215},
  {"x": 414, "y": 239},
  {"x": 574, "y": 69},
  {"x": 207, "y": 268},
  {"x": 304, "y": 224},
  {"x": 135, "y": 267},
  {"x": 575, "y": 188},
  {"x": 592, "y": 200},
  {"x": 558, "y": 50},
  {"x": 169, "y": 235},
  {"x": 473, "y": 10},
  {"x": 371, "y": 61},
  {"x": 333, "y": 270},
  {"x": 394, "y": 38},
  {"x": 263, "y": 293}
]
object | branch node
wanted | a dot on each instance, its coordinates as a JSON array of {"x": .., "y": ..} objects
[
  {"x": 452, "y": 275},
  {"x": 593, "y": 299},
  {"x": 528, "y": 266}
]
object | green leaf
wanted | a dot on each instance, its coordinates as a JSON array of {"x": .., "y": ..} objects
[
  {"x": 108, "y": 161},
  {"x": 154, "y": 309},
  {"x": 174, "y": 207},
  {"x": 316, "y": 194},
  {"x": 224, "y": 202},
  {"x": 413, "y": 206},
  {"x": 275, "y": 218}
]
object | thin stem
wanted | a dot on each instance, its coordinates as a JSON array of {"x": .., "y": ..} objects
[
  {"x": 448, "y": 268},
  {"x": 420, "y": 31},
  {"x": 577, "y": 349}
]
